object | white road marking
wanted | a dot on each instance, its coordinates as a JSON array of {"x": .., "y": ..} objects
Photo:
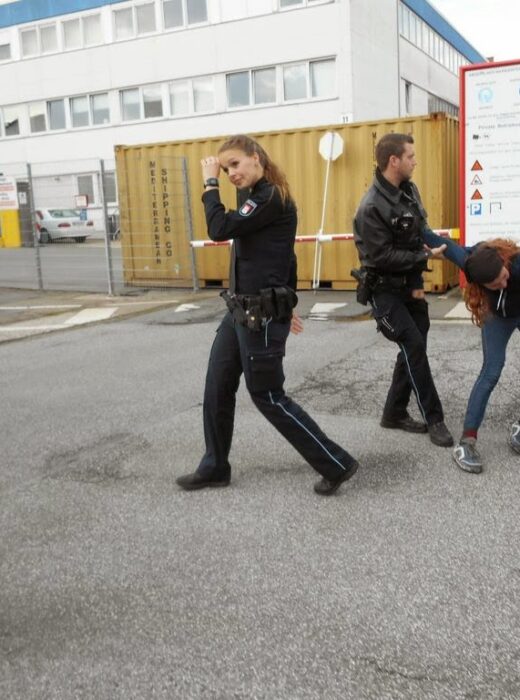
[
  {"x": 38, "y": 306},
  {"x": 458, "y": 311},
  {"x": 325, "y": 307},
  {"x": 90, "y": 315},
  {"x": 186, "y": 307}
]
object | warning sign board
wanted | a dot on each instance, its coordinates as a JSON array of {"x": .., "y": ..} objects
[
  {"x": 8, "y": 196},
  {"x": 490, "y": 151}
]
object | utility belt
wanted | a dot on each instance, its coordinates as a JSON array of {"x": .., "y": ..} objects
[
  {"x": 370, "y": 281},
  {"x": 254, "y": 310}
]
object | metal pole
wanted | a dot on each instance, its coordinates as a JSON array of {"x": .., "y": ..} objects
[
  {"x": 189, "y": 224},
  {"x": 317, "y": 249},
  {"x": 108, "y": 249},
  {"x": 35, "y": 230}
]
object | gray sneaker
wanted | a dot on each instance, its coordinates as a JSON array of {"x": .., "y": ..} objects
[
  {"x": 514, "y": 437},
  {"x": 467, "y": 456}
]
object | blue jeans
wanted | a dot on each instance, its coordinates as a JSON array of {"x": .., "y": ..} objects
[{"x": 496, "y": 333}]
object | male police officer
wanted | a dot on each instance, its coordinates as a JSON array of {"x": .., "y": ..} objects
[{"x": 388, "y": 235}]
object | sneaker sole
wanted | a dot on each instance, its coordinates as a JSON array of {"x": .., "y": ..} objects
[{"x": 515, "y": 448}]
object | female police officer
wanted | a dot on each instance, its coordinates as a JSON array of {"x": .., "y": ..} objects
[{"x": 251, "y": 338}]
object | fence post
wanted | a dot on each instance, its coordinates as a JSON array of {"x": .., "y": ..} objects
[
  {"x": 35, "y": 230},
  {"x": 108, "y": 249},
  {"x": 189, "y": 224}
]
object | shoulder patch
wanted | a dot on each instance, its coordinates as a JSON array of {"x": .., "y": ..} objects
[{"x": 247, "y": 207}]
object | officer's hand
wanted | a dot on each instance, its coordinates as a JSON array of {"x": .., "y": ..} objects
[
  {"x": 436, "y": 253},
  {"x": 417, "y": 293},
  {"x": 210, "y": 167},
  {"x": 296, "y": 324}
]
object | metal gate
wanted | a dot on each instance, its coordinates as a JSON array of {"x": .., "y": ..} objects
[{"x": 79, "y": 229}]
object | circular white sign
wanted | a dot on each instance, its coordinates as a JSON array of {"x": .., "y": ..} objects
[{"x": 331, "y": 145}]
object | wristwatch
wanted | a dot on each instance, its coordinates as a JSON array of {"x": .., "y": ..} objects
[{"x": 211, "y": 182}]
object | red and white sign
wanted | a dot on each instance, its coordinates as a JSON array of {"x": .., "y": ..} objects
[
  {"x": 8, "y": 196},
  {"x": 490, "y": 151}
]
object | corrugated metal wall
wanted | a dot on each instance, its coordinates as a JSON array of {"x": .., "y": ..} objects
[{"x": 296, "y": 152}]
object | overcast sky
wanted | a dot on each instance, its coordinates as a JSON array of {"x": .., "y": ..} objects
[{"x": 491, "y": 26}]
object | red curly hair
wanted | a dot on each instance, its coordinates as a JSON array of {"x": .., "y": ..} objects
[{"x": 477, "y": 301}]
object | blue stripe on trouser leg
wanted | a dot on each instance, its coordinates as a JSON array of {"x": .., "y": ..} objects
[{"x": 414, "y": 385}]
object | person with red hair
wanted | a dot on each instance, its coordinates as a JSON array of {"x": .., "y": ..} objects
[{"x": 492, "y": 295}]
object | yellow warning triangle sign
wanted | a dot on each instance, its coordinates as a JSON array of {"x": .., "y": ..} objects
[
  {"x": 476, "y": 166},
  {"x": 476, "y": 195}
]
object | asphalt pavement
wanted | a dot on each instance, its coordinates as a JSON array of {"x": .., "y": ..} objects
[{"x": 116, "y": 585}]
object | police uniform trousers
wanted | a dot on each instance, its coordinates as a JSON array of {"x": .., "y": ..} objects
[
  {"x": 404, "y": 320},
  {"x": 259, "y": 356}
]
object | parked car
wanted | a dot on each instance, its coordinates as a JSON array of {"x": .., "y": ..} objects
[{"x": 54, "y": 224}]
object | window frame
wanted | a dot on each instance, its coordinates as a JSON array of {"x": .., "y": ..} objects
[
  {"x": 185, "y": 24},
  {"x": 191, "y": 111}
]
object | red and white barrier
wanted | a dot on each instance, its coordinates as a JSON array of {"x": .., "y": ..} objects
[
  {"x": 321, "y": 238},
  {"x": 318, "y": 239}
]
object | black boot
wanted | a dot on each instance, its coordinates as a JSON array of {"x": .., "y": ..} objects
[
  {"x": 192, "y": 482},
  {"x": 326, "y": 487}
]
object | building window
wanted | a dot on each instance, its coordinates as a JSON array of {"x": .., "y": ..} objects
[
  {"x": 71, "y": 34},
  {"x": 301, "y": 3},
  {"x": 246, "y": 8},
  {"x": 110, "y": 188},
  {"x": 56, "y": 113},
  {"x": 86, "y": 186},
  {"x": 12, "y": 120},
  {"x": 178, "y": 13},
  {"x": 407, "y": 97},
  {"x": 99, "y": 108},
  {"x": 5, "y": 52},
  {"x": 251, "y": 87},
  {"x": 29, "y": 42},
  {"x": 79, "y": 112},
  {"x": 134, "y": 21},
  {"x": 38, "y": 40},
  {"x": 145, "y": 18},
  {"x": 295, "y": 82},
  {"x": 85, "y": 31},
  {"x": 264, "y": 86},
  {"x": 152, "y": 102},
  {"x": 323, "y": 78},
  {"x": 48, "y": 39},
  {"x": 124, "y": 23},
  {"x": 203, "y": 95},
  {"x": 238, "y": 89},
  {"x": 92, "y": 33},
  {"x": 180, "y": 97},
  {"x": 130, "y": 105},
  {"x": 38, "y": 117},
  {"x": 188, "y": 96}
]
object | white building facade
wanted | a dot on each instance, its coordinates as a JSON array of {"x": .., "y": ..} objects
[{"x": 79, "y": 77}]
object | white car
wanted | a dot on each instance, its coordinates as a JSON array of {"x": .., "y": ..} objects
[{"x": 54, "y": 224}]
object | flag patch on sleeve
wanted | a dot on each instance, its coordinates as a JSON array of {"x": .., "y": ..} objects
[{"x": 247, "y": 207}]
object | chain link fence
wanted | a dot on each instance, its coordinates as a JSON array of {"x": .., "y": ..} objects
[{"x": 79, "y": 229}]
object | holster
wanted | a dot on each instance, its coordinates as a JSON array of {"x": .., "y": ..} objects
[
  {"x": 245, "y": 313},
  {"x": 364, "y": 287}
]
